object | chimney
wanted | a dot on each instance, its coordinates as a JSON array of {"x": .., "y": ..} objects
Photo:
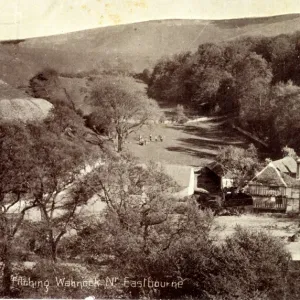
[{"x": 298, "y": 169}]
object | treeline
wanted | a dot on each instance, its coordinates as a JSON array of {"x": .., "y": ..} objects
[{"x": 254, "y": 78}]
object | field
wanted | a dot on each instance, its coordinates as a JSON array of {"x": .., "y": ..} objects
[
  {"x": 192, "y": 144},
  {"x": 279, "y": 226}
]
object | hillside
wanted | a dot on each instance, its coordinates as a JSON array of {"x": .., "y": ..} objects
[{"x": 130, "y": 47}]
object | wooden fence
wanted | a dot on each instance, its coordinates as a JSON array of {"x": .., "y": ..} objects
[{"x": 279, "y": 205}]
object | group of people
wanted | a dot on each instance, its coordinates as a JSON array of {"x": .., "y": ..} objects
[{"x": 143, "y": 141}]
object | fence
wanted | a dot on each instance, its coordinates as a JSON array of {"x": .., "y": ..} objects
[{"x": 280, "y": 204}]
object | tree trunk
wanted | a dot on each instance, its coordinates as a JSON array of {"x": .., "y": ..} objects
[
  {"x": 120, "y": 143},
  {"x": 53, "y": 252},
  {"x": 7, "y": 269},
  {"x": 53, "y": 247}
]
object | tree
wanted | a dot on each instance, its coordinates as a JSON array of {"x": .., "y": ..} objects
[
  {"x": 180, "y": 116},
  {"x": 48, "y": 85},
  {"x": 141, "y": 224},
  {"x": 287, "y": 151},
  {"x": 285, "y": 106},
  {"x": 240, "y": 164},
  {"x": 248, "y": 263},
  {"x": 38, "y": 169},
  {"x": 207, "y": 84},
  {"x": 56, "y": 185},
  {"x": 160, "y": 80},
  {"x": 253, "y": 78},
  {"x": 15, "y": 169},
  {"x": 122, "y": 184},
  {"x": 124, "y": 109},
  {"x": 146, "y": 75},
  {"x": 282, "y": 55}
]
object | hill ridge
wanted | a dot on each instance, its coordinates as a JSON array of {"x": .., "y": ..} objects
[
  {"x": 130, "y": 47},
  {"x": 279, "y": 17}
]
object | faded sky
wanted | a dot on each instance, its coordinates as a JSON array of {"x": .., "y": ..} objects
[{"x": 29, "y": 18}]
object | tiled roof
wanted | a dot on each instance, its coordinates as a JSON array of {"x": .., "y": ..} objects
[{"x": 217, "y": 168}]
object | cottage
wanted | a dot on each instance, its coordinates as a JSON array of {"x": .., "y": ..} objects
[{"x": 277, "y": 186}]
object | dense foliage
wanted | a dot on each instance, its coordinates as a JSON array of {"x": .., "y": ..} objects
[
  {"x": 255, "y": 79},
  {"x": 239, "y": 164}
]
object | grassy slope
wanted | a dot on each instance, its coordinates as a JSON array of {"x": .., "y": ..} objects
[{"x": 133, "y": 46}]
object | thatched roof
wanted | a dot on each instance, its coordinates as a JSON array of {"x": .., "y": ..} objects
[
  {"x": 15, "y": 105},
  {"x": 179, "y": 173},
  {"x": 269, "y": 176},
  {"x": 286, "y": 165},
  {"x": 290, "y": 181}
]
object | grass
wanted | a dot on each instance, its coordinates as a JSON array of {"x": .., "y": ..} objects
[{"x": 191, "y": 145}]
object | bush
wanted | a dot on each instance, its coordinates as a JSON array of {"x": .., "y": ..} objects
[
  {"x": 249, "y": 263},
  {"x": 180, "y": 116}
]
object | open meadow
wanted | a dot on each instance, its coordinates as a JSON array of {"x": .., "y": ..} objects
[{"x": 191, "y": 145}]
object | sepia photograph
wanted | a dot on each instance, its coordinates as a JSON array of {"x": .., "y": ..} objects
[{"x": 150, "y": 149}]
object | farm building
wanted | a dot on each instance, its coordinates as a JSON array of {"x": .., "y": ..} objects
[
  {"x": 214, "y": 178},
  {"x": 277, "y": 186}
]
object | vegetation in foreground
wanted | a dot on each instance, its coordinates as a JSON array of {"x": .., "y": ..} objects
[{"x": 142, "y": 234}]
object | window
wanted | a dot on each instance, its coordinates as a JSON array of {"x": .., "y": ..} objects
[{"x": 274, "y": 187}]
